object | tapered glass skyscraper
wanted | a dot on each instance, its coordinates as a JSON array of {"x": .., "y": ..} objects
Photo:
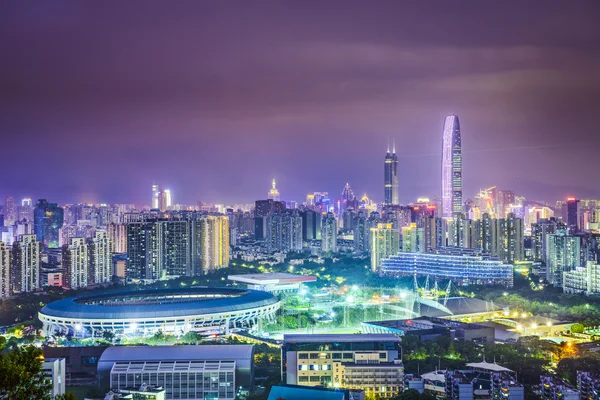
[
  {"x": 391, "y": 177},
  {"x": 452, "y": 201}
]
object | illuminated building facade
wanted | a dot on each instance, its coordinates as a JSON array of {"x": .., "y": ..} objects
[
  {"x": 26, "y": 262},
  {"x": 584, "y": 279},
  {"x": 213, "y": 243},
  {"x": 9, "y": 211},
  {"x": 273, "y": 194},
  {"x": 161, "y": 198},
  {"x": 5, "y": 267},
  {"x": 391, "y": 177},
  {"x": 573, "y": 223},
  {"x": 76, "y": 264},
  {"x": 329, "y": 233},
  {"x": 385, "y": 242},
  {"x": 563, "y": 253},
  {"x": 464, "y": 266},
  {"x": 101, "y": 266},
  {"x": 48, "y": 219},
  {"x": 284, "y": 232},
  {"x": 452, "y": 200},
  {"x": 117, "y": 234}
]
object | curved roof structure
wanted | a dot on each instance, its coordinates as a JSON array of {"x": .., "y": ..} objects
[{"x": 159, "y": 303}]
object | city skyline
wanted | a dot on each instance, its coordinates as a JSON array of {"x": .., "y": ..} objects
[{"x": 309, "y": 103}]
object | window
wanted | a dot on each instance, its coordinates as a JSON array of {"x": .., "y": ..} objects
[
  {"x": 382, "y": 356},
  {"x": 303, "y": 367},
  {"x": 325, "y": 367},
  {"x": 314, "y": 356},
  {"x": 347, "y": 356},
  {"x": 303, "y": 379},
  {"x": 315, "y": 379},
  {"x": 336, "y": 356},
  {"x": 314, "y": 367},
  {"x": 302, "y": 356}
]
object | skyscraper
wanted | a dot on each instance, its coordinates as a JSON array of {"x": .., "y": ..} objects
[
  {"x": 9, "y": 211},
  {"x": 27, "y": 252},
  {"x": 452, "y": 202},
  {"x": 5, "y": 266},
  {"x": 210, "y": 249},
  {"x": 76, "y": 264},
  {"x": 385, "y": 242},
  {"x": 100, "y": 258},
  {"x": 329, "y": 233},
  {"x": 156, "y": 197},
  {"x": 390, "y": 173},
  {"x": 48, "y": 219},
  {"x": 572, "y": 215},
  {"x": 273, "y": 194}
]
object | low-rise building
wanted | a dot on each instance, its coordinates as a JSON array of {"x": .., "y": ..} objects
[
  {"x": 276, "y": 282},
  {"x": 368, "y": 362},
  {"x": 554, "y": 388},
  {"x": 54, "y": 370}
]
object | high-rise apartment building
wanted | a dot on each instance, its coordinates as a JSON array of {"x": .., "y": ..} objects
[
  {"x": 142, "y": 251},
  {"x": 284, "y": 232},
  {"x": 25, "y": 211},
  {"x": 48, "y": 219},
  {"x": 26, "y": 261},
  {"x": 390, "y": 174},
  {"x": 329, "y": 233},
  {"x": 212, "y": 243},
  {"x": 117, "y": 235},
  {"x": 174, "y": 247},
  {"x": 452, "y": 201},
  {"x": 101, "y": 266},
  {"x": 262, "y": 210},
  {"x": 76, "y": 264},
  {"x": 362, "y": 233},
  {"x": 161, "y": 198},
  {"x": 539, "y": 234},
  {"x": 5, "y": 267},
  {"x": 10, "y": 215},
  {"x": 563, "y": 253},
  {"x": 385, "y": 242},
  {"x": 509, "y": 243}
]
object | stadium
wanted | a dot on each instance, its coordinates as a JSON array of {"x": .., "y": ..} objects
[{"x": 172, "y": 311}]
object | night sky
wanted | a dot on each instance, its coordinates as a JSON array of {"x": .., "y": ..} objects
[{"x": 213, "y": 99}]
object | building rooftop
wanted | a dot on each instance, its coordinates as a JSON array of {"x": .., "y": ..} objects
[
  {"x": 460, "y": 306},
  {"x": 272, "y": 278},
  {"x": 486, "y": 366},
  {"x": 293, "y": 392},
  {"x": 176, "y": 353},
  {"x": 327, "y": 338}
]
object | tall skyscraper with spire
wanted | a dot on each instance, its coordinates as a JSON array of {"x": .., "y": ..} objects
[
  {"x": 391, "y": 176},
  {"x": 273, "y": 193},
  {"x": 452, "y": 199}
]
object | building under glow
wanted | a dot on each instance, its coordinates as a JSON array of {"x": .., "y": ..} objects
[
  {"x": 463, "y": 266},
  {"x": 273, "y": 194},
  {"x": 391, "y": 177},
  {"x": 452, "y": 201},
  {"x": 385, "y": 241}
]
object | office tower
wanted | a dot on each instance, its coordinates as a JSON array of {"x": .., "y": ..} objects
[
  {"x": 573, "y": 223},
  {"x": 385, "y": 242},
  {"x": 284, "y": 232},
  {"x": 25, "y": 211},
  {"x": 563, "y": 253},
  {"x": 142, "y": 251},
  {"x": 362, "y": 233},
  {"x": 5, "y": 267},
  {"x": 210, "y": 244},
  {"x": 273, "y": 194},
  {"x": 262, "y": 209},
  {"x": 311, "y": 225},
  {"x": 48, "y": 219},
  {"x": 174, "y": 247},
  {"x": 168, "y": 202},
  {"x": 117, "y": 235},
  {"x": 76, "y": 264},
  {"x": 509, "y": 244},
  {"x": 329, "y": 233},
  {"x": 429, "y": 233},
  {"x": 101, "y": 266},
  {"x": 9, "y": 211},
  {"x": 390, "y": 176},
  {"x": 452, "y": 202},
  {"x": 504, "y": 200},
  {"x": 26, "y": 261},
  {"x": 156, "y": 195},
  {"x": 347, "y": 193}
]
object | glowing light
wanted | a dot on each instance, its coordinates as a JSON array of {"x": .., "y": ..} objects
[
  {"x": 133, "y": 326},
  {"x": 534, "y": 326},
  {"x": 354, "y": 288},
  {"x": 523, "y": 315},
  {"x": 350, "y": 299},
  {"x": 549, "y": 324},
  {"x": 78, "y": 327}
]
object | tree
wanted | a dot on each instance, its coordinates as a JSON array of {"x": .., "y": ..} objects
[
  {"x": 66, "y": 396},
  {"x": 21, "y": 376},
  {"x": 577, "y": 328},
  {"x": 410, "y": 394}
]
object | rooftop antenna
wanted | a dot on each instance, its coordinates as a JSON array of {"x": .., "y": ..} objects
[
  {"x": 388, "y": 147},
  {"x": 394, "y": 145}
]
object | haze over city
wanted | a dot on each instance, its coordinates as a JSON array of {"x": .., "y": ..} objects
[{"x": 214, "y": 100}]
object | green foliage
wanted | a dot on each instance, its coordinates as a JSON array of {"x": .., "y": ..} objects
[
  {"x": 66, "y": 396},
  {"x": 567, "y": 368},
  {"x": 21, "y": 376},
  {"x": 577, "y": 328}
]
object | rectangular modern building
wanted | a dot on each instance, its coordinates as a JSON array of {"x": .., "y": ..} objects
[
  {"x": 185, "y": 372},
  {"x": 54, "y": 370},
  {"x": 347, "y": 361}
]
